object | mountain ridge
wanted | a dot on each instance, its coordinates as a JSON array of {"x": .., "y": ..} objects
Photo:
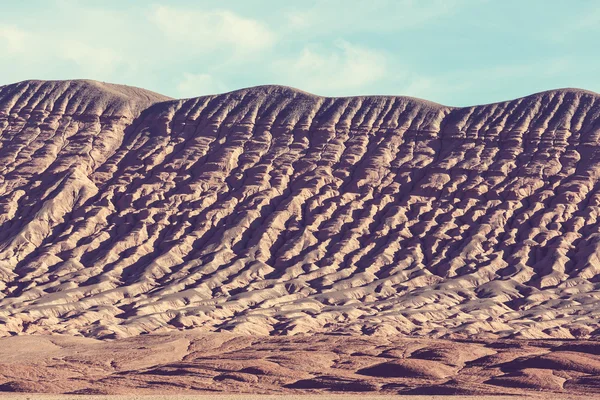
[
  {"x": 271, "y": 211},
  {"x": 277, "y": 87}
]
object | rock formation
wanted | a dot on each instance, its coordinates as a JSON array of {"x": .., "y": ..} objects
[{"x": 271, "y": 211}]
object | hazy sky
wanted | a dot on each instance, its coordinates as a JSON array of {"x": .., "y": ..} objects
[{"x": 455, "y": 52}]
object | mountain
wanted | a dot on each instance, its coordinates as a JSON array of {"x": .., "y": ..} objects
[{"x": 270, "y": 211}]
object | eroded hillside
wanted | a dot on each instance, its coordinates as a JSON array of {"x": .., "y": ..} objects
[{"x": 272, "y": 211}]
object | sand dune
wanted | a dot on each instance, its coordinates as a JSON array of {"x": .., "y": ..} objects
[{"x": 269, "y": 211}]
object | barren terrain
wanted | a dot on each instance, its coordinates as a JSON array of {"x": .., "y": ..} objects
[
  {"x": 189, "y": 362},
  {"x": 363, "y": 227},
  {"x": 272, "y": 211}
]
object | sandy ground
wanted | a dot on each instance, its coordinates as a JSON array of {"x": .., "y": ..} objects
[
  {"x": 188, "y": 363},
  {"x": 284, "y": 397}
]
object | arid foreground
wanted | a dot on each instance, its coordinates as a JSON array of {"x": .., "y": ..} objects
[{"x": 188, "y": 362}]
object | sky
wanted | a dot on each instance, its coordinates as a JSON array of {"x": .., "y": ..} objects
[{"x": 454, "y": 52}]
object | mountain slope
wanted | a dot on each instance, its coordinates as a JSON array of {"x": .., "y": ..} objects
[{"x": 272, "y": 211}]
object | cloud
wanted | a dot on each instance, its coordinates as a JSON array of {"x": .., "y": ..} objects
[
  {"x": 451, "y": 88},
  {"x": 404, "y": 47},
  {"x": 345, "y": 69},
  {"x": 89, "y": 58},
  {"x": 193, "y": 85},
  {"x": 212, "y": 29},
  {"x": 544, "y": 68},
  {"x": 178, "y": 43},
  {"x": 12, "y": 39},
  {"x": 576, "y": 28},
  {"x": 420, "y": 87},
  {"x": 374, "y": 15},
  {"x": 31, "y": 48}
]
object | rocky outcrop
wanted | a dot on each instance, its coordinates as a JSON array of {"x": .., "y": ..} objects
[{"x": 272, "y": 211}]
